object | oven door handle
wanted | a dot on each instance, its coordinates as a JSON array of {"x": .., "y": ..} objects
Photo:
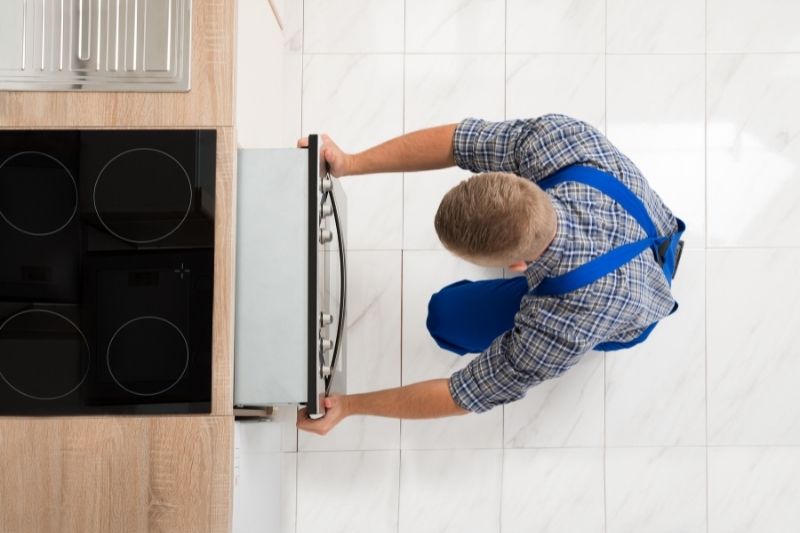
[{"x": 342, "y": 292}]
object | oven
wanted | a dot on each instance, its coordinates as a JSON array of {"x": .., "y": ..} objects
[{"x": 291, "y": 280}]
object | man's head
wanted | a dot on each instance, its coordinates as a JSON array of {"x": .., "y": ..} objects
[{"x": 496, "y": 219}]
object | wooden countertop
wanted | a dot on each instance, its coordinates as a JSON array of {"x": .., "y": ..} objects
[{"x": 115, "y": 474}]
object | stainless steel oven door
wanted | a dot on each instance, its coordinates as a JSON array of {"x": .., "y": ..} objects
[
  {"x": 327, "y": 283},
  {"x": 291, "y": 292}
]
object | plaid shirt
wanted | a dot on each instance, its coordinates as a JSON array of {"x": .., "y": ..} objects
[{"x": 551, "y": 333}]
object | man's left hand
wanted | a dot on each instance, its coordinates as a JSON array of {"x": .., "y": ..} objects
[{"x": 335, "y": 411}]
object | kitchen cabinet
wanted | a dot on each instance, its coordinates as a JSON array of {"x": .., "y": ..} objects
[{"x": 116, "y": 474}]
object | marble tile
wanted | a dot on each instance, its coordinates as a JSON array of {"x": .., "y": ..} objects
[
  {"x": 656, "y": 117},
  {"x": 471, "y": 431},
  {"x": 656, "y": 490},
  {"x": 546, "y": 83},
  {"x": 450, "y": 491},
  {"x": 658, "y": 26},
  {"x": 355, "y": 433},
  {"x": 566, "y": 411},
  {"x": 267, "y": 100},
  {"x": 356, "y": 99},
  {"x": 655, "y": 392},
  {"x": 753, "y": 355},
  {"x": 557, "y": 26},
  {"x": 291, "y": 112},
  {"x": 348, "y": 492},
  {"x": 553, "y": 491},
  {"x": 753, "y": 150},
  {"x": 374, "y": 211},
  {"x": 422, "y": 192},
  {"x": 257, "y": 482},
  {"x": 425, "y": 272},
  {"x": 285, "y": 417},
  {"x": 291, "y": 97},
  {"x": 442, "y": 89},
  {"x": 455, "y": 26},
  {"x": 288, "y": 496},
  {"x": 292, "y": 15},
  {"x": 373, "y": 351},
  {"x": 746, "y": 26},
  {"x": 255, "y": 437},
  {"x": 753, "y": 490},
  {"x": 353, "y": 26}
]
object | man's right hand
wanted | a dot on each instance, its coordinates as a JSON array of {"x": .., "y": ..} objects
[{"x": 339, "y": 163}]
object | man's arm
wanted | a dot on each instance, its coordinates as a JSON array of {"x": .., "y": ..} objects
[
  {"x": 428, "y": 399},
  {"x": 533, "y": 148},
  {"x": 426, "y": 149}
]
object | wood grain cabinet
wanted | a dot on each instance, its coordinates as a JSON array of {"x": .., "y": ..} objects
[
  {"x": 137, "y": 474},
  {"x": 115, "y": 474}
]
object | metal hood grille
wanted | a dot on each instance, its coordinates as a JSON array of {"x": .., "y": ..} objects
[{"x": 97, "y": 45}]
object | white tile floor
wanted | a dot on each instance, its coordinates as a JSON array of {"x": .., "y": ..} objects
[{"x": 698, "y": 430}]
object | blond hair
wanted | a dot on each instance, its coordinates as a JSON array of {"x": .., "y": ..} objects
[{"x": 494, "y": 215}]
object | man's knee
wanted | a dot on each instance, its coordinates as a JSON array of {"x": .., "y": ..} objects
[{"x": 437, "y": 313}]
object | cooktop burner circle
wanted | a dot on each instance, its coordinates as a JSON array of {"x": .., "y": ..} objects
[
  {"x": 149, "y": 349},
  {"x": 44, "y": 355},
  {"x": 42, "y": 199},
  {"x": 147, "y": 183}
]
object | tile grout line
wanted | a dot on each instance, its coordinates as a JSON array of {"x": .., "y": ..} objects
[
  {"x": 705, "y": 253},
  {"x": 400, "y": 422},
  {"x": 402, "y": 273},
  {"x": 558, "y": 54},
  {"x": 302, "y": 64},
  {"x": 605, "y": 449},
  {"x": 503, "y": 416},
  {"x": 513, "y": 54},
  {"x": 605, "y": 72},
  {"x": 605, "y": 129},
  {"x": 505, "y": 60},
  {"x": 403, "y": 129},
  {"x": 399, "y": 485},
  {"x": 687, "y": 248},
  {"x": 552, "y": 448},
  {"x": 296, "y": 431}
]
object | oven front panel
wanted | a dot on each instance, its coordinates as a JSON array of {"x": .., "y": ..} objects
[{"x": 290, "y": 280}]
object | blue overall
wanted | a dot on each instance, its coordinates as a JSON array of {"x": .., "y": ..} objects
[{"x": 466, "y": 316}]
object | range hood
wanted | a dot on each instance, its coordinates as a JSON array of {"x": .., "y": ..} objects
[{"x": 95, "y": 45}]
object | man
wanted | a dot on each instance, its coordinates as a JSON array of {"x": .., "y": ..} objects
[{"x": 553, "y": 199}]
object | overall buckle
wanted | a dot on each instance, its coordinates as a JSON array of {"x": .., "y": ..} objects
[
  {"x": 678, "y": 252},
  {"x": 662, "y": 253}
]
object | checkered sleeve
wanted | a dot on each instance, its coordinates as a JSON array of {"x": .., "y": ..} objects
[
  {"x": 532, "y": 148},
  {"x": 535, "y": 350}
]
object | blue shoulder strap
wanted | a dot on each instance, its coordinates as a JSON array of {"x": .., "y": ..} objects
[
  {"x": 613, "y": 259},
  {"x": 610, "y": 186}
]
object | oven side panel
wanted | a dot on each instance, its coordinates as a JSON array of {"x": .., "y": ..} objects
[{"x": 272, "y": 294}]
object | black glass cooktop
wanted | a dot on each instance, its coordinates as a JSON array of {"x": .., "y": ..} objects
[{"x": 106, "y": 271}]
